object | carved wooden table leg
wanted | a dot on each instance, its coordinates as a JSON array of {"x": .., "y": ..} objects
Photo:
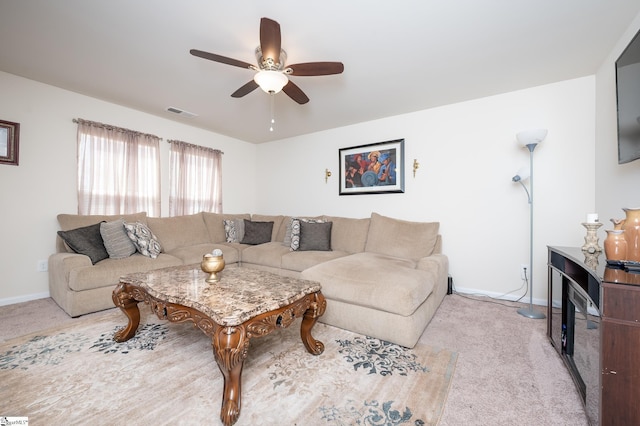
[
  {"x": 124, "y": 300},
  {"x": 311, "y": 315},
  {"x": 230, "y": 346}
]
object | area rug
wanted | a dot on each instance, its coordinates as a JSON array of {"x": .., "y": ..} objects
[{"x": 167, "y": 374}]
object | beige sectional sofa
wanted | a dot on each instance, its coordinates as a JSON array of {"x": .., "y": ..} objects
[{"x": 382, "y": 277}]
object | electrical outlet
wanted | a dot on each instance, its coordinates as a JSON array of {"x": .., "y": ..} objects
[
  {"x": 525, "y": 273},
  {"x": 43, "y": 266}
]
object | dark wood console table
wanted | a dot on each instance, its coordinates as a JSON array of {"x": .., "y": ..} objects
[{"x": 594, "y": 323}]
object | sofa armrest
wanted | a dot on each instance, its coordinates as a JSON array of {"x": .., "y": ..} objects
[
  {"x": 61, "y": 264},
  {"x": 438, "y": 263}
]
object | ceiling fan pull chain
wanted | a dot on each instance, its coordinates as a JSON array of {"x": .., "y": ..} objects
[{"x": 273, "y": 120}]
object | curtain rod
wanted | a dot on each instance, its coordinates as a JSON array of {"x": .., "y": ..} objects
[
  {"x": 111, "y": 127},
  {"x": 194, "y": 146}
]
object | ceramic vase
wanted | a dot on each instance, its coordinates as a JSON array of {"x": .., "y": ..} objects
[
  {"x": 631, "y": 227},
  {"x": 615, "y": 245},
  {"x": 617, "y": 224}
]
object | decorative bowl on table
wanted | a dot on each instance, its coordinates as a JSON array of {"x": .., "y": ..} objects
[{"x": 212, "y": 263}]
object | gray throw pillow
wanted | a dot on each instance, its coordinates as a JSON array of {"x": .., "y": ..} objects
[
  {"x": 315, "y": 236},
  {"x": 295, "y": 230},
  {"x": 116, "y": 241},
  {"x": 86, "y": 240},
  {"x": 257, "y": 232}
]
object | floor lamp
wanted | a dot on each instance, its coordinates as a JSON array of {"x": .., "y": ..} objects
[{"x": 530, "y": 139}]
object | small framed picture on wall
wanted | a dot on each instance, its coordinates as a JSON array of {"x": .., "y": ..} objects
[
  {"x": 9, "y": 142},
  {"x": 372, "y": 169}
]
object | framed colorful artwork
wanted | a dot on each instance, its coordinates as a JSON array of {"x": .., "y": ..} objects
[{"x": 372, "y": 169}]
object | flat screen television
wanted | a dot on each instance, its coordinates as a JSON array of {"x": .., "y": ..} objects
[{"x": 628, "y": 96}]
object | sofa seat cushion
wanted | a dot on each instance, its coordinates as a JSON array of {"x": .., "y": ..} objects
[
  {"x": 267, "y": 254},
  {"x": 301, "y": 260},
  {"x": 108, "y": 272},
  {"x": 194, "y": 253},
  {"x": 375, "y": 281}
]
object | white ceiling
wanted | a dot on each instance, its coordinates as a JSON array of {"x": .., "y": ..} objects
[{"x": 399, "y": 56}]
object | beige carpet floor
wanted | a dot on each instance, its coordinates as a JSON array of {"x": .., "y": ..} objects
[{"x": 506, "y": 373}]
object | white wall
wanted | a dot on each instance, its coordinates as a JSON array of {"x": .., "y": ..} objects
[
  {"x": 617, "y": 185},
  {"x": 44, "y": 184},
  {"x": 468, "y": 155}
]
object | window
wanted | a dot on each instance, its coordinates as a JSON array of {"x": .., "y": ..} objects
[
  {"x": 118, "y": 170},
  {"x": 196, "y": 179}
]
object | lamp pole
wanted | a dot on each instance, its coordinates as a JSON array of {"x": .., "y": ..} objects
[{"x": 530, "y": 312}]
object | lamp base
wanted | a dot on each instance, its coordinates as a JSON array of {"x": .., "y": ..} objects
[{"x": 530, "y": 313}]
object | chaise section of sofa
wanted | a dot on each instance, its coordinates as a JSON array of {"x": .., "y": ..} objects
[{"x": 391, "y": 289}]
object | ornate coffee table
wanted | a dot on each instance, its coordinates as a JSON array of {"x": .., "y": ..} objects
[{"x": 246, "y": 303}]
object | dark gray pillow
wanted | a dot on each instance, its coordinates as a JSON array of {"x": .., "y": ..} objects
[
  {"x": 257, "y": 232},
  {"x": 315, "y": 236},
  {"x": 86, "y": 240}
]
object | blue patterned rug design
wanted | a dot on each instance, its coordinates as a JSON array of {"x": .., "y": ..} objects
[{"x": 379, "y": 356}]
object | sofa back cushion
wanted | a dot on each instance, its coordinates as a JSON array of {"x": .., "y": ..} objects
[
  {"x": 401, "y": 238},
  {"x": 179, "y": 231},
  {"x": 215, "y": 224},
  {"x": 348, "y": 234},
  {"x": 68, "y": 222}
]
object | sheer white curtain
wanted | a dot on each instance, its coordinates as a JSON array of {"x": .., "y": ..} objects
[
  {"x": 196, "y": 179},
  {"x": 118, "y": 170}
]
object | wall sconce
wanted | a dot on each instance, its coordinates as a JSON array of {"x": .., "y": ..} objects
[
  {"x": 327, "y": 175},
  {"x": 415, "y": 166}
]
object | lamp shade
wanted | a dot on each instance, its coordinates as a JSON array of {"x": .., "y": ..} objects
[
  {"x": 522, "y": 174},
  {"x": 271, "y": 81},
  {"x": 531, "y": 137}
]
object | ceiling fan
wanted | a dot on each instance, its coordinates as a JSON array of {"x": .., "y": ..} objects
[{"x": 272, "y": 74}]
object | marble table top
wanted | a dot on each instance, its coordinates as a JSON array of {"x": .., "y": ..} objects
[{"x": 241, "y": 294}]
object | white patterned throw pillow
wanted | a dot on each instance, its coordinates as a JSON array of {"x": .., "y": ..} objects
[
  {"x": 144, "y": 240},
  {"x": 233, "y": 230}
]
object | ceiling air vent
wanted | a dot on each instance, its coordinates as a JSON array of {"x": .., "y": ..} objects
[{"x": 181, "y": 112}]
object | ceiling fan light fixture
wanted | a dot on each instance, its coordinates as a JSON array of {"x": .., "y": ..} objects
[{"x": 271, "y": 81}]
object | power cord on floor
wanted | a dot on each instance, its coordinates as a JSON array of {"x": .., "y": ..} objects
[{"x": 495, "y": 299}]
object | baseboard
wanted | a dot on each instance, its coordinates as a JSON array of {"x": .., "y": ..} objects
[{"x": 25, "y": 298}]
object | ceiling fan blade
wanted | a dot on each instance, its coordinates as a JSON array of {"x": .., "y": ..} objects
[
  {"x": 245, "y": 90},
  {"x": 221, "y": 59},
  {"x": 295, "y": 93},
  {"x": 316, "y": 68},
  {"x": 270, "y": 39}
]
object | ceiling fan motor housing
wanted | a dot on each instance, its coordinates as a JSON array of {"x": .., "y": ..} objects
[{"x": 268, "y": 64}]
